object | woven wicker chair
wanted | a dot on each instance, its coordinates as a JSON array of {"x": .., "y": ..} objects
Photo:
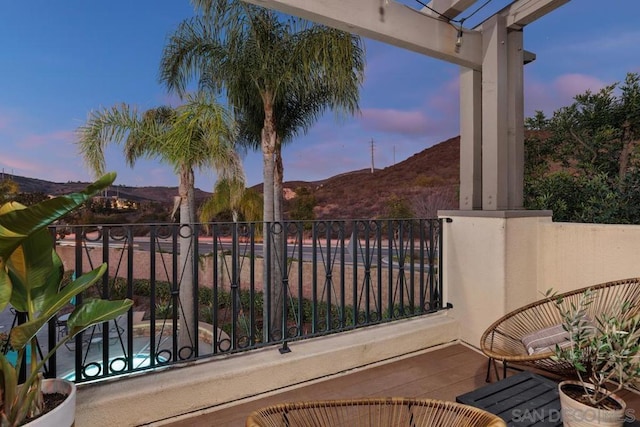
[
  {"x": 502, "y": 341},
  {"x": 382, "y": 412}
]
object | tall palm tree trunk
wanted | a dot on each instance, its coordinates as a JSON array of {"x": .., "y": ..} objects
[
  {"x": 271, "y": 286},
  {"x": 187, "y": 240},
  {"x": 280, "y": 254},
  {"x": 278, "y": 179}
]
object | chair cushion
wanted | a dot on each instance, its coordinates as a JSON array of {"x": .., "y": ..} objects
[{"x": 545, "y": 340}]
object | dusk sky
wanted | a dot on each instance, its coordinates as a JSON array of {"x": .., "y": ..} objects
[{"x": 61, "y": 59}]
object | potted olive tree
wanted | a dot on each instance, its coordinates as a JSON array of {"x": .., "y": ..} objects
[
  {"x": 31, "y": 281},
  {"x": 605, "y": 353}
]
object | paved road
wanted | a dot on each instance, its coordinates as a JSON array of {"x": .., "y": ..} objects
[{"x": 205, "y": 246}]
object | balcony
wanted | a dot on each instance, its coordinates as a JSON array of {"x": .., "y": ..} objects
[
  {"x": 333, "y": 276},
  {"x": 412, "y": 287}
]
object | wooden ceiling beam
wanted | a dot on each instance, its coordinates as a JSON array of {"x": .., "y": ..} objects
[
  {"x": 448, "y": 8},
  {"x": 389, "y": 22},
  {"x": 523, "y": 12}
]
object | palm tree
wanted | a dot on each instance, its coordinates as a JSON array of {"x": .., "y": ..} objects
[
  {"x": 279, "y": 73},
  {"x": 231, "y": 195},
  {"x": 199, "y": 134},
  {"x": 246, "y": 204}
]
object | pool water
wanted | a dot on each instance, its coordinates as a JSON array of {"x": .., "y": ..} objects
[{"x": 94, "y": 369}]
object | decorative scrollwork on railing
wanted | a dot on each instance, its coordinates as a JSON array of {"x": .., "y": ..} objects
[
  {"x": 118, "y": 234},
  {"x": 118, "y": 365},
  {"x": 163, "y": 355},
  {"x": 92, "y": 370},
  {"x": 186, "y": 231},
  {"x": 328, "y": 276},
  {"x": 186, "y": 352},
  {"x": 164, "y": 231}
]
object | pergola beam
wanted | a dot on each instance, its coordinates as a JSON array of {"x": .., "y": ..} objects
[
  {"x": 391, "y": 23},
  {"x": 449, "y": 8},
  {"x": 524, "y": 12}
]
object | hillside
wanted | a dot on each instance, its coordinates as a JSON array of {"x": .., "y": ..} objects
[
  {"x": 426, "y": 182},
  {"x": 136, "y": 194}
]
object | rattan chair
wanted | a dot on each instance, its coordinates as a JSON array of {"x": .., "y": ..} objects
[
  {"x": 379, "y": 412},
  {"x": 502, "y": 341}
]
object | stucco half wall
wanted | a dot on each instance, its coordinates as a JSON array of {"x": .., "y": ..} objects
[
  {"x": 578, "y": 255},
  {"x": 490, "y": 265},
  {"x": 498, "y": 261}
]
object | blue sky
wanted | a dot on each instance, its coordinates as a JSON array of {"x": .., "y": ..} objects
[{"x": 60, "y": 60}]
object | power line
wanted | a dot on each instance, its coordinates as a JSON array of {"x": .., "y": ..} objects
[
  {"x": 475, "y": 11},
  {"x": 459, "y": 21}
]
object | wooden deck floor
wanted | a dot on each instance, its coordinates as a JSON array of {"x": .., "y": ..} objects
[{"x": 439, "y": 374}]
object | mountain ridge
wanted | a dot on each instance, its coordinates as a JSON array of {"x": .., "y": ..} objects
[{"x": 430, "y": 177}]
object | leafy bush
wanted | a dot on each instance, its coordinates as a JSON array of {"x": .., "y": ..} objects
[
  {"x": 583, "y": 162},
  {"x": 423, "y": 180}
]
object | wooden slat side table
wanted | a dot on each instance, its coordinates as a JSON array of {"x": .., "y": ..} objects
[
  {"x": 525, "y": 399},
  {"x": 521, "y": 400}
]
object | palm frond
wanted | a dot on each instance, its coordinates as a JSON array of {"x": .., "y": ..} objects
[{"x": 109, "y": 125}]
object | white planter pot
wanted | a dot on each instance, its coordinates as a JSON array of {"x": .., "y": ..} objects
[
  {"x": 576, "y": 414},
  {"x": 63, "y": 415}
]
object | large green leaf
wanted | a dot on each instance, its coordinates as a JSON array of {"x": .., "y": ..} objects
[
  {"x": 20, "y": 335},
  {"x": 19, "y": 222},
  {"x": 31, "y": 261},
  {"x": 30, "y": 298},
  {"x": 96, "y": 311},
  {"x": 8, "y": 383},
  {"x": 30, "y": 267},
  {"x": 5, "y": 287},
  {"x": 42, "y": 296}
]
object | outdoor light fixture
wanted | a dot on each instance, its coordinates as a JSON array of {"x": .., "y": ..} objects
[
  {"x": 383, "y": 5},
  {"x": 459, "y": 39}
]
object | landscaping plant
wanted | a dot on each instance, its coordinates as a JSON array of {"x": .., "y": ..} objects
[
  {"x": 31, "y": 280},
  {"x": 604, "y": 351}
]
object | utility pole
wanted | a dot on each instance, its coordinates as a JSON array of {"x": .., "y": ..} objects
[
  {"x": 372, "y": 166},
  {"x": 394, "y": 154}
]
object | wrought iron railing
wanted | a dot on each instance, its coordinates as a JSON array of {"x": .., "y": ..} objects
[{"x": 241, "y": 288}]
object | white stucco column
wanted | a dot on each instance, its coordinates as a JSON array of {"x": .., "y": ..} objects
[
  {"x": 492, "y": 122},
  {"x": 495, "y": 167},
  {"x": 515, "y": 118},
  {"x": 470, "y": 139}
]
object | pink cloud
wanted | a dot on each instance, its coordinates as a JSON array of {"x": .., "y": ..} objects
[
  {"x": 446, "y": 98},
  {"x": 395, "y": 121},
  {"x": 538, "y": 96},
  {"x": 65, "y": 175},
  {"x": 18, "y": 164},
  {"x": 319, "y": 161},
  {"x": 39, "y": 140},
  {"x": 559, "y": 92},
  {"x": 570, "y": 85}
]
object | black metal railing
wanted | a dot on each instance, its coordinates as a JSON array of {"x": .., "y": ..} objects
[{"x": 237, "y": 288}]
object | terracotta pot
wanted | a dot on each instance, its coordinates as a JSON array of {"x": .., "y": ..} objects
[
  {"x": 63, "y": 415},
  {"x": 577, "y": 414}
]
